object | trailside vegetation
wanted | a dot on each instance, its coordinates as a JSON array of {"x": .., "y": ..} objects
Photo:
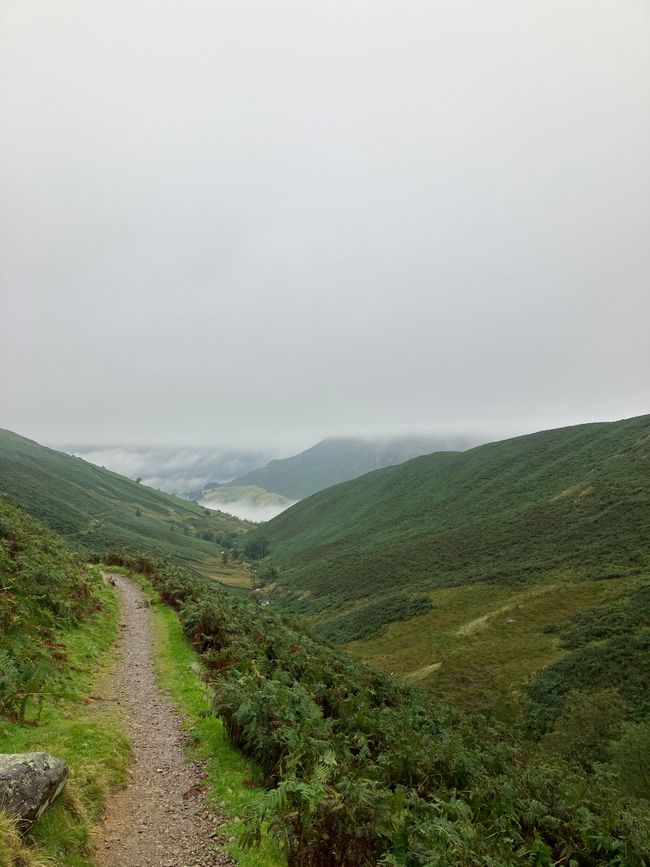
[
  {"x": 44, "y": 589},
  {"x": 364, "y": 770},
  {"x": 58, "y": 621}
]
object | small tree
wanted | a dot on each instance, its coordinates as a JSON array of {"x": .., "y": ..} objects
[{"x": 255, "y": 549}]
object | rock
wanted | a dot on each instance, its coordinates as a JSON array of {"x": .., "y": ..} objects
[{"x": 29, "y": 782}]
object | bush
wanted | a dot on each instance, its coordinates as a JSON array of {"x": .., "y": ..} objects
[
  {"x": 588, "y": 723},
  {"x": 372, "y": 617}
]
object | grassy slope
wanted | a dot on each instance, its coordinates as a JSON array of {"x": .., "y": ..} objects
[
  {"x": 501, "y": 537},
  {"x": 478, "y": 646},
  {"x": 569, "y": 501},
  {"x": 95, "y": 509}
]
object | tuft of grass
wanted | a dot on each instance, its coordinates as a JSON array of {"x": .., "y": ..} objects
[
  {"x": 13, "y": 850},
  {"x": 85, "y": 730},
  {"x": 234, "y": 781}
]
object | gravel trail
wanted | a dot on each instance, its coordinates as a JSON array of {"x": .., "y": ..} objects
[{"x": 160, "y": 819}]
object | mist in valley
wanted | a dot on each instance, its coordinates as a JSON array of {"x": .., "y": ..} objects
[
  {"x": 248, "y": 509},
  {"x": 184, "y": 471}
]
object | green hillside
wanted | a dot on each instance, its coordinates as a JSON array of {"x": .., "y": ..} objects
[
  {"x": 332, "y": 461},
  {"x": 504, "y": 540},
  {"x": 575, "y": 500},
  {"x": 96, "y": 510}
]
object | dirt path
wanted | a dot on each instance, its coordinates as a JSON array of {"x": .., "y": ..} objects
[{"x": 160, "y": 819}]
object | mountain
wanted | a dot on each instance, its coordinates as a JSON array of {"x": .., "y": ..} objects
[
  {"x": 96, "y": 510},
  {"x": 450, "y": 567},
  {"x": 332, "y": 461}
]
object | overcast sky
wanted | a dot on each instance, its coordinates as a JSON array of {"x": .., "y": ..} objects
[{"x": 257, "y": 222}]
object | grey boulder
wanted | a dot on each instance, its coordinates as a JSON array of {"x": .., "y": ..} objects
[{"x": 29, "y": 782}]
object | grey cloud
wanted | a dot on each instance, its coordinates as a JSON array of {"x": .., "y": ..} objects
[{"x": 251, "y": 222}]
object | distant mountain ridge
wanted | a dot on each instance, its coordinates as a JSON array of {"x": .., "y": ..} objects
[{"x": 336, "y": 460}]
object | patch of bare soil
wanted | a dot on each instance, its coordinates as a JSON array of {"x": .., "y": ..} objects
[{"x": 160, "y": 819}]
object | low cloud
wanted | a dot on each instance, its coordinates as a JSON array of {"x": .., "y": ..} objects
[{"x": 183, "y": 471}]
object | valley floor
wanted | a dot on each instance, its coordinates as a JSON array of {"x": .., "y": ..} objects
[{"x": 480, "y": 644}]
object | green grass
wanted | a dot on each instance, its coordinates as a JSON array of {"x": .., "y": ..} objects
[
  {"x": 576, "y": 499},
  {"x": 479, "y": 645},
  {"x": 85, "y": 731},
  {"x": 231, "y": 574},
  {"x": 96, "y": 510},
  {"x": 234, "y": 781},
  {"x": 361, "y": 622}
]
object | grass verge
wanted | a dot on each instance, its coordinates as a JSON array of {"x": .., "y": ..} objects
[
  {"x": 233, "y": 781},
  {"x": 82, "y": 728}
]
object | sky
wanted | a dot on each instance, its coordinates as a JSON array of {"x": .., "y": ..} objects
[{"x": 240, "y": 222}]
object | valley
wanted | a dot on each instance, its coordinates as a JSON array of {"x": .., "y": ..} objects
[
  {"x": 440, "y": 631},
  {"x": 502, "y": 541},
  {"x": 261, "y": 494},
  {"x": 325, "y": 445}
]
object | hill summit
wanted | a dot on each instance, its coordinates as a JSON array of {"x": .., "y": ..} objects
[{"x": 335, "y": 460}]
